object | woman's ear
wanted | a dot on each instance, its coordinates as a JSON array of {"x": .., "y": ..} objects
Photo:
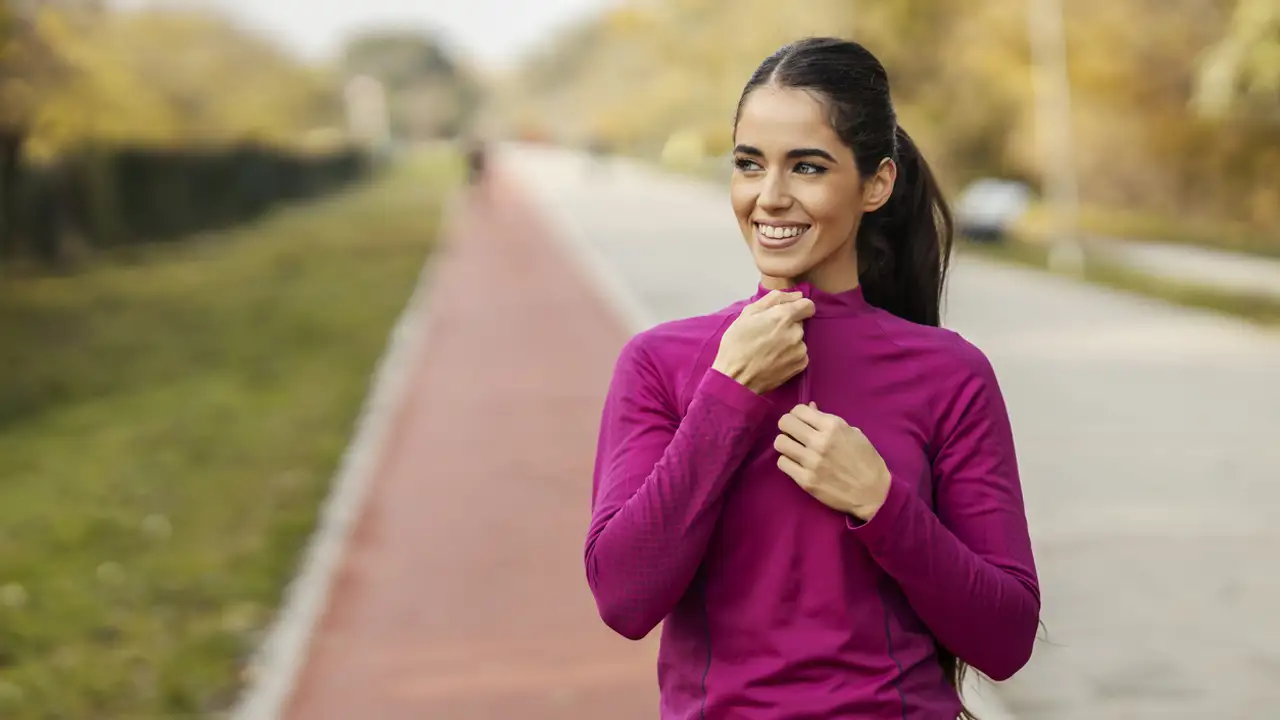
[{"x": 876, "y": 190}]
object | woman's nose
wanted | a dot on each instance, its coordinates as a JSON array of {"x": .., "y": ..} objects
[{"x": 774, "y": 194}]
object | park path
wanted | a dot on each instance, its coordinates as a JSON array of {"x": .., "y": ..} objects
[
  {"x": 1147, "y": 438},
  {"x": 461, "y": 593},
  {"x": 1222, "y": 270}
]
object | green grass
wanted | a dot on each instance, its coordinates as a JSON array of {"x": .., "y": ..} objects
[
  {"x": 1261, "y": 309},
  {"x": 168, "y": 429}
]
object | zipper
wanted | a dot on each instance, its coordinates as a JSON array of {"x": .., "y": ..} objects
[{"x": 804, "y": 374}]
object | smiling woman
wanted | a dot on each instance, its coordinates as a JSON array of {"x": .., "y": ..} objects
[
  {"x": 835, "y": 159},
  {"x": 848, "y": 560},
  {"x": 796, "y": 203}
]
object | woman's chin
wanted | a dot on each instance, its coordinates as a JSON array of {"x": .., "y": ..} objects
[{"x": 779, "y": 267}]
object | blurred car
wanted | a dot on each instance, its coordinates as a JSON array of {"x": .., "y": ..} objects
[{"x": 986, "y": 209}]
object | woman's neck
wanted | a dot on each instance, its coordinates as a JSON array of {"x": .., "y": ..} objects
[{"x": 826, "y": 278}]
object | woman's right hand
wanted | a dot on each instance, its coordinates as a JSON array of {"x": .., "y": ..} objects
[{"x": 764, "y": 347}]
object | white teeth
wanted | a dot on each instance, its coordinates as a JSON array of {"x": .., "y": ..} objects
[{"x": 779, "y": 233}]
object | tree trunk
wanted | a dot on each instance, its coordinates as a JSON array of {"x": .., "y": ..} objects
[{"x": 10, "y": 150}]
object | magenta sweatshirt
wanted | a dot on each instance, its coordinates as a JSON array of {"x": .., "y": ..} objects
[{"x": 775, "y": 606}]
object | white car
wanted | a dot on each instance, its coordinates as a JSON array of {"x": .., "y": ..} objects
[{"x": 986, "y": 209}]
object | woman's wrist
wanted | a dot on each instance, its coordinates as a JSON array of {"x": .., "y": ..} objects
[
  {"x": 865, "y": 511},
  {"x": 736, "y": 373}
]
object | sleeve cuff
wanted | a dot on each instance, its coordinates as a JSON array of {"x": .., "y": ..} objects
[
  {"x": 881, "y": 525},
  {"x": 728, "y": 391}
]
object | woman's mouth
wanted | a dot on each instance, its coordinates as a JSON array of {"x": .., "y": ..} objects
[{"x": 779, "y": 237}]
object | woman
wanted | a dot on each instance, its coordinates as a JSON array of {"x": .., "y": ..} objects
[{"x": 816, "y": 488}]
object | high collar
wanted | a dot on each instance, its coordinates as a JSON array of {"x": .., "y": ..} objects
[{"x": 841, "y": 304}]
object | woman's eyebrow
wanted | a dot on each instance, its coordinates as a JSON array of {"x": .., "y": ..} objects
[{"x": 791, "y": 154}]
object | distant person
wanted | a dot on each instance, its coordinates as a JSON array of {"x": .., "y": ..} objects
[
  {"x": 476, "y": 161},
  {"x": 816, "y": 487}
]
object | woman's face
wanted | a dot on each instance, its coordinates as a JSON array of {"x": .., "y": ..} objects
[{"x": 797, "y": 193}]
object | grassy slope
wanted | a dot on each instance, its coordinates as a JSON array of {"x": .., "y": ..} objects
[{"x": 168, "y": 429}]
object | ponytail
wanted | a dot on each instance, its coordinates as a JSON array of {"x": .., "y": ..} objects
[{"x": 904, "y": 247}]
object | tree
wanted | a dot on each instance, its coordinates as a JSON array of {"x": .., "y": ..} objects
[
  {"x": 1241, "y": 72},
  {"x": 77, "y": 76},
  {"x": 644, "y": 72},
  {"x": 168, "y": 77},
  {"x": 429, "y": 93},
  {"x": 27, "y": 67}
]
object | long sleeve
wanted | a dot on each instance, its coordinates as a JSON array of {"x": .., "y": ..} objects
[
  {"x": 657, "y": 488},
  {"x": 968, "y": 570}
]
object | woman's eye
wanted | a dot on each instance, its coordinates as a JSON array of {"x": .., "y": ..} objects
[
  {"x": 805, "y": 168},
  {"x": 745, "y": 164}
]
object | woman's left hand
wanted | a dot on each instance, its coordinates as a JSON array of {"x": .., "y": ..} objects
[{"x": 832, "y": 461}]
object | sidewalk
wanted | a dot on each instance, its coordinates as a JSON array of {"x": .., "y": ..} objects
[
  {"x": 461, "y": 593},
  {"x": 1222, "y": 270}
]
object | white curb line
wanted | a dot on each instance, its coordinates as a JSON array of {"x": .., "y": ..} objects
[{"x": 277, "y": 665}]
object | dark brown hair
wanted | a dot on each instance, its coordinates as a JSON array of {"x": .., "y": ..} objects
[{"x": 904, "y": 247}]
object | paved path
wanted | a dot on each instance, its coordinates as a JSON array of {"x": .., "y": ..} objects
[
  {"x": 461, "y": 594},
  {"x": 1147, "y": 438}
]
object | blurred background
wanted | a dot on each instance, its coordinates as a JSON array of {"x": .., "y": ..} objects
[{"x": 212, "y": 213}]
